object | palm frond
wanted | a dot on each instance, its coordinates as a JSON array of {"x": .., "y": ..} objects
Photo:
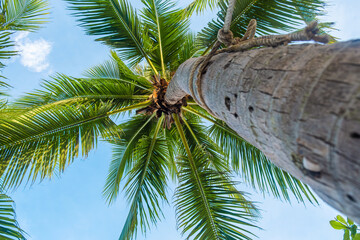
[
  {"x": 205, "y": 203},
  {"x": 172, "y": 147},
  {"x": 190, "y": 48},
  {"x": 3, "y": 86},
  {"x": 117, "y": 70},
  {"x": 36, "y": 144},
  {"x": 5, "y": 44},
  {"x": 23, "y": 15},
  {"x": 118, "y": 25},
  {"x": 199, "y": 6},
  {"x": 198, "y": 137},
  {"x": 146, "y": 183},
  {"x": 9, "y": 227},
  {"x": 124, "y": 152},
  {"x": 78, "y": 91},
  {"x": 166, "y": 29},
  {"x": 273, "y": 16}
]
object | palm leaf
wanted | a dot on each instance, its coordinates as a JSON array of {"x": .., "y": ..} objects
[
  {"x": 23, "y": 15},
  {"x": 78, "y": 91},
  {"x": 172, "y": 147},
  {"x": 206, "y": 207},
  {"x": 52, "y": 139},
  {"x": 190, "y": 49},
  {"x": 198, "y": 137},
  {"x": 124, "y": 152},
  {"x": 5, "y": 44},
  {"x": 199, "y": 6},
  {"x": 166, "y": 29},
  {"x": 115, "y": 69},
  {"x": 146, "y": 183},
  {"x": 118, "y": 25},
  {"x": 9, "y": 227}
]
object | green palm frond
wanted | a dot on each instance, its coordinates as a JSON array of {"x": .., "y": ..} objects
[
  {"x": 78, "y": 91},
  {"x": 199, "y": 6},
  {"x": 23, "y": 15},
  {"x": 115, "y": 69},
  {"x": 9, "y": 227},
  {"x": 205, "y": 201},
  {"x": 3, "y": 87},
  {"x": 36, "y": 144},
  {"x": 166, "y": 29},
  {"x": 117, "y": 24},
  {"x": 190, "y": 48},
  {"x": 198, "y": 137},
  {"x": 124, "y": 152},
  {"x": 5, "y": 44},
  {"x": 273, "y": 16},
  {"x": 146, "y": 184},
  {"x": 172, "y": 147}
]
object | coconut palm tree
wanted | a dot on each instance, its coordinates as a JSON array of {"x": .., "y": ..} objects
[{"x": 157, "y": 142}]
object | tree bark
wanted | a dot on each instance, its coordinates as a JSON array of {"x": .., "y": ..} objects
[{"x": 299, "y": 104}]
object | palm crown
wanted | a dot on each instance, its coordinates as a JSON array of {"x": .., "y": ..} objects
[{"x": 157, "y": 142}]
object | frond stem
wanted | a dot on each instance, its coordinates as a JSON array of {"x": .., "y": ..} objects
[
  {"x": 122, "y": 80},
  {"x": 160, "y": 42},
  {"x": 132, "y": 107},
  {"x": 36, "y": 110}
]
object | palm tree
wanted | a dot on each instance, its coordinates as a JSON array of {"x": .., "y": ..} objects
[
  {"x": 299, "y": 104},
  {"x": 157, "y": 142}
]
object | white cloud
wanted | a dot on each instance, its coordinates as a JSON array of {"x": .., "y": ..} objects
[{"x": 33, "y": 53}]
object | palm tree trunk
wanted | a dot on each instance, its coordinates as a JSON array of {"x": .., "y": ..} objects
[{"x": 299, "y": 104}]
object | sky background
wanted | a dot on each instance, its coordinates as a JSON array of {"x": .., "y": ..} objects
[{"x": 71, "y": 207}]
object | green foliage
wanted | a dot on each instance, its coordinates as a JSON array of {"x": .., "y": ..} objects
[
  {"x": 19, "y": 15},
  {"x": 9, "y": 227},
  {"x": 167, "y": 31},
  {"x": 208, "y": 205},
  {"x": 64, "y": 90},
  {"x": 350, "y": 229},
  {"x": 23, "y": 15},
  {"x": 218, "y": 210},
  {"x": 124, "y": 152},
  {"x": 146, "y": 183},
  {"x": 38, "y": 143},
  {"x": 118, "y": 25},
  {"x": 199, "y": 6},
  {"x": 5, "y": 44}
]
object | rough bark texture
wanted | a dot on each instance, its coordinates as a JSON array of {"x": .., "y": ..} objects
[{"x": 299, "y": 104}]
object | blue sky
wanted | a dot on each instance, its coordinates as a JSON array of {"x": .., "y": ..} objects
[{"x": 71, "y": 207}]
